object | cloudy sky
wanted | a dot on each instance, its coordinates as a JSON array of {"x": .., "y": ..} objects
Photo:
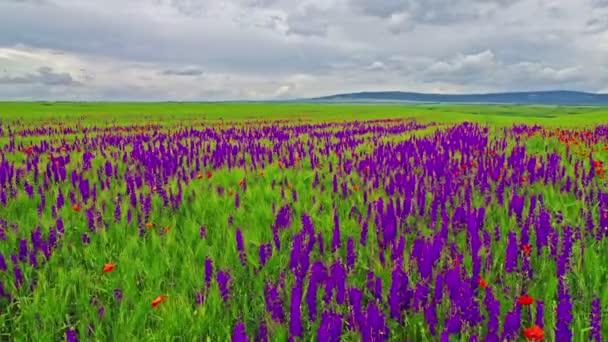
[{"x": 272, "y": 49}]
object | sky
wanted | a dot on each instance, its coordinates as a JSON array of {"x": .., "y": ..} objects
[{"x": 212, "y": 50}]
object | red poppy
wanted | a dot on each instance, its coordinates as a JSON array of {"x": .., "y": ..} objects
[
  {"x": 76, "y": 207},
  {"x": 157, "y": 301},
  {"x": 482, "y": 283},
  {"x": 107, "y": 268},
  {"x": 241, "y": 182},
  {"x": 366, "y": 169},
  {"x": 525, "y": 300},
  {"x": 457, "y": 174},
  {"x": 534, "y": 333},
  {"x": 199, "y": 176},
  {"x": 526, "y": 249},
  {"x": 356, "y": 188},
  {"x": 524, "y": 179},
  {"x": 209, "y": 174},
  {"x": 149, "y": 225}
]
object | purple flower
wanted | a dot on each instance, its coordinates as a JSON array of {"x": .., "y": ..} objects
[
  {"x": 563, "y": 313},
  {"x": 239, "y": 334},
  {"x": 295, "y": 317},
  {"x": 203, "y": 232},
  {"x": 208, "y": 272},
  {"x": 262, "y": 333},
  {"x": 511, "y": 257},
  {"x": 71, "y": 335},
  {"x": 335, "y": 244},
  {"x": 23, "y": 252},
  {"x": 200, "y": 297},
  {"x": 317, "y": 276},
  {"x": 18, "y": 277},
  {"x": 330, "y": 329},
  {"x": 493, "y": 308},
  {"x": 540, "y": 313},
  {"x": 596, "y": 320},
  {"x": 223, "y": 280},
  {"x": 118, "y": 295},
  {"x": 350, "y": 254},
  {"x": 3, "y": 266}
]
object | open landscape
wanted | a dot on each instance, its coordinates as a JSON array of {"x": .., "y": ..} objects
[
  {"x": 304, "y": 170},
  {"x": 301, "y": 222}
]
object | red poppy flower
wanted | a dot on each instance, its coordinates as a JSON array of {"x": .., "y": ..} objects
[
  {"x": 209, "y": 174},
  {"x": 107, "y": 268},
  {"x": 525, "y": 300},
  {"x": 482, "y": 283},
  {"x": 526, "y": 249},
  {"x": 534, "y": 333},
  {"x": 157, "y": 301},
  {"x": 76, "y": 207}
]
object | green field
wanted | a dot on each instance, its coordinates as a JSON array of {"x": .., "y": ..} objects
[
  {"x": 491, "y": 114},
  {"x": 159, "y": 190}
]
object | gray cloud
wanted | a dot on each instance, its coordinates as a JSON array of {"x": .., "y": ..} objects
[
  {"x": 310, "y": 22},
  {"x": 44, "y": 75},
  {"x": 183, "y": 72},
  {"x": 146, "y": 49}
]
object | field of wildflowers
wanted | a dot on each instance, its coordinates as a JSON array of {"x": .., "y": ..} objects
[{"x": 302, "y": 229}]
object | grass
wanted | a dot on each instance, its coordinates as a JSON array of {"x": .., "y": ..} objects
[{"x": 490, "y": 114}]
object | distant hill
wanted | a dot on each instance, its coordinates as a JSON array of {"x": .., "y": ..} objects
[{"x": 559, "y": 97}]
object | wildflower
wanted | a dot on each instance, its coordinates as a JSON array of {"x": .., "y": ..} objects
[
  {"x": 76, "y": 207},
  {"x": 356, "y": 188},
  {"x": 239, "y": 334},
  {"x": 482, "y": 283},
  {"x": 525, "y": 300},
  {"x": 534, "y": 333},
  {"x": 107, "y": 268},
  {"x": 596, "y": 320},
  {"x": 71, "y": 335},
  {"x": 209, "y": 174},
  {"x": 241, "y": 182},
  {"x": 168, "y": 229},
  {"x": 261, "y": 173},
  {"x": 200, "y": 176},
  {"x": 157, "y": 301},
  {"x": 526, "y": 249},
  {"x": 149, "y": 225}
]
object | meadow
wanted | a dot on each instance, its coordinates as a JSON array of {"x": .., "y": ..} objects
[{"x": 302, "y": 222}]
